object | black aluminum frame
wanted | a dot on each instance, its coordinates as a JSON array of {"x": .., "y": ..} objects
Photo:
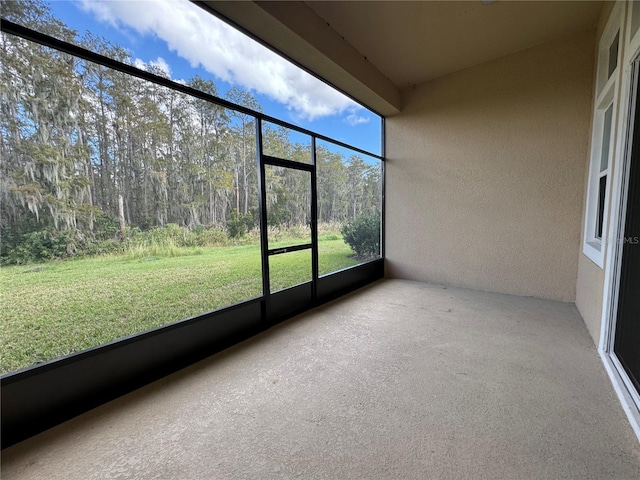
[
  {"x": 39, "y": 397},
  {"x": 48, "y": 41}
]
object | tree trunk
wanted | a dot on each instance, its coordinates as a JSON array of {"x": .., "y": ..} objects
[{"x": 121, "y": 216}]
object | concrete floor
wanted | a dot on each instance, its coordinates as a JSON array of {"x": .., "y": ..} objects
[{"x": 401, "y": 380}]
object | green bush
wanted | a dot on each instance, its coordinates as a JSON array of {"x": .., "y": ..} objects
[
  {"x": 239, "y": 224},
  {"x": 105, "y": 227},
  {"x": 103, "y": 248},
  {"x": 278, "y": 214},
  {"x": 18, "y": 248},
  {"x": 363, "y": 235},
  {"x": 38, "y": 247},
  {"x": 213, "y": 237}
]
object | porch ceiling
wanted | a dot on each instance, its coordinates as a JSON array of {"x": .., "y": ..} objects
[
  {"x": 371, "y": 50},
  {"x": 412, "y": 42}
]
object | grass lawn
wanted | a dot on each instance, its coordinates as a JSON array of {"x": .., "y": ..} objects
[{"x": 57, "y": 308}]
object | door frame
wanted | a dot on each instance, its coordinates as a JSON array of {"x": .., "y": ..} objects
[
  {"x": 629, "y": 101},
  {"x": 271, "y": 313}
]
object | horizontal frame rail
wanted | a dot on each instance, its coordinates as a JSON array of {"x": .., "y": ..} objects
[
  {"x": 281, "y": 162},
  {"x": 48, "y": 41},
  {"x": 293, "y": 248}
]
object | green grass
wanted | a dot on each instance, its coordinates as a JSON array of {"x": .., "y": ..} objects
[{"x": 57, "y": 308}]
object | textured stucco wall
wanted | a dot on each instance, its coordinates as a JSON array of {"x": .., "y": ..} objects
[
  {"x": 589, "y": 295},
  {"x": 590, "y": 284},
  {"x": 485, "y": 173}
]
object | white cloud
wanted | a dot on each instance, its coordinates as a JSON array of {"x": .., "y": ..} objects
[
  {"x": 159, "y": 63},
  {"x": 354, "y": 119},
  {"x": 206, "y": 41},
  {"x": 139, "y": 63}
]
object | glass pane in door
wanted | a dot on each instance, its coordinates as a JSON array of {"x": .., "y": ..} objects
[{"x": 288, "y": 206}]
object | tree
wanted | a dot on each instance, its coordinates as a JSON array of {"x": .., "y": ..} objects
[
  {"x": 333, "y": 189},
  {"x": 45, "y": 153},
  {"x": 75, "y": 137},
  {"x": 213, "y": 129},
  {"x": 243, "y": 141}
]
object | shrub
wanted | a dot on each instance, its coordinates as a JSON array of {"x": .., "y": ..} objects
[
  {"x": 212, "y": 237},
  {"x": 110, "y": 246},
  {"x": 38, "y": 247},
  {"x": 239, "y": 224},
  {"x": 168, "y": 241},
  {"x": 105, "y": 227},
  {"x": 278, "y": 214},
  {"x": 363, "y": 235}
]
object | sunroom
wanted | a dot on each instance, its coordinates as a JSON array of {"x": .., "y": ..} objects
[{"x": 493, "y": 331}]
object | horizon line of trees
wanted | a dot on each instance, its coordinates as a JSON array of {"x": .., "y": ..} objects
[{"x": 81, "y": 145}]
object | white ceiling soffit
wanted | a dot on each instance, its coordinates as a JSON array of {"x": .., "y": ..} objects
[{"x": 372, "y": 49}]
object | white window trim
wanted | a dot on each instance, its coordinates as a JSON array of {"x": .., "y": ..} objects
[
  {"x": 628, "y": 396},
  {"x": 606, "y": 94},
  {"x": 594, "y": 247},
  {"x": 625, "y": 391}
]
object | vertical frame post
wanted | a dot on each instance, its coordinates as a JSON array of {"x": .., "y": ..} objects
[
  {"x": 383, "y": 153},
  {"x": 314, "y": 223},
  {"x": 262, "y": 210}
]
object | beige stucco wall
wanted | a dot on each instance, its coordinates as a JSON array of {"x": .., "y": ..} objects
[
  {"x": 590, "y": 283},
  {"x": 485, "y": 173},
  {"x": 589, "y": 294}
]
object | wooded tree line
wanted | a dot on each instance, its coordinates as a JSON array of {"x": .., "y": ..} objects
[{"x": 75, "y": 137}]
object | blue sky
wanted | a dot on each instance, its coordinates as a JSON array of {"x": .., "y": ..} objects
[{"x": 185, "y": 40}]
